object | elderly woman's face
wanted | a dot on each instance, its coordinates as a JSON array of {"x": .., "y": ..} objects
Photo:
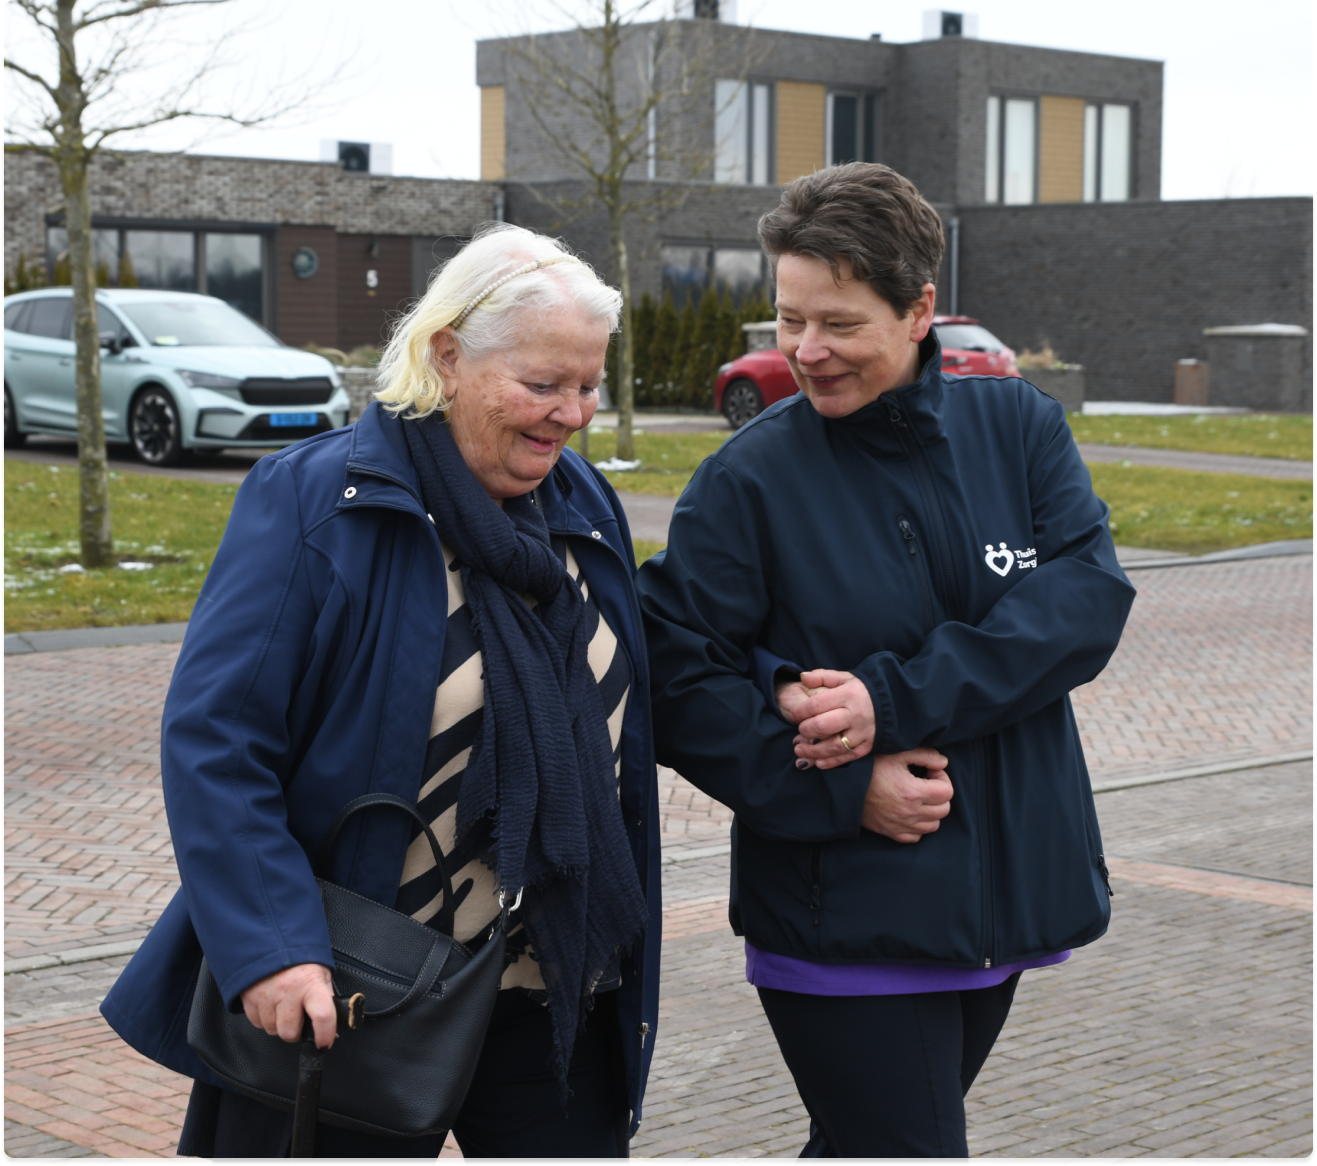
[
  {"x": 513, "y": 412},
  {"x": 845, "y": 344}
]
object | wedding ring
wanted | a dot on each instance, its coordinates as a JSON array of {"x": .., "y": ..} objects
[{"x": 849, "y": 748}]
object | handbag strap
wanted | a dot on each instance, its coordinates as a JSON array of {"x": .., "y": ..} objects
[
  {"x": 444, "y": 920},
  {"x": 425, "y": 978}
]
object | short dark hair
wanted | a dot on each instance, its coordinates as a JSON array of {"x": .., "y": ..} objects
[{"x": 867, "y": 214}]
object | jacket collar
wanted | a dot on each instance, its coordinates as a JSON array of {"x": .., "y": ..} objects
[{"x": 918, "y": 404}]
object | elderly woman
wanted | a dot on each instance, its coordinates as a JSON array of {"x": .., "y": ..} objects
[
  {"x": 436, "y": 602},
  {"x": 930, "y": 549}
]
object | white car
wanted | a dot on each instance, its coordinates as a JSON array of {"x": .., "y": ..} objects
[{"x": 178, "y": 372}]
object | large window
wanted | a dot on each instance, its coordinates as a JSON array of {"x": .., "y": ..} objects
[
  {"x": 1020, "y": 159},
  {"x": 743, "y": 115},
  {"x": 852, "y": 130},
  {"x": 226, "y": 264},
  {"x": 688, "y": 271}
]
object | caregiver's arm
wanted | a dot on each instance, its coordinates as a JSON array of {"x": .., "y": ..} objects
[
  {"x": 1053, "y": 631},
  {"x": 704, "y": 600}
]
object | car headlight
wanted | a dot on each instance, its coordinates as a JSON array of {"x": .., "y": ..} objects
[{"x": 208, "y": 380}]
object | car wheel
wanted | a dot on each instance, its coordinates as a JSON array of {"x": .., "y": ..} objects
[
  {"x": 742, "y": 402},
  {"x": 13, "y": 439},
  {"x": 155, "y": 429}
]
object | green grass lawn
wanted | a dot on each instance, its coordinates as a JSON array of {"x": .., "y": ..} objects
[
  {"x": 173, "y": 525},
  {"x": 668, "y": 459},
  {"x": 1254, "y": 434},
  {"x": 1179, "y": 510},
  {"x": 176, "y": 526}
]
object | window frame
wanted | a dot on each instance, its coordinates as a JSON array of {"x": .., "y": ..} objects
[
  {"x": 868, "y": 123},
  {"x": 709, "y": 249},
  {"x": 198, "y": 229},
  {"x": 1003, "y": 97},
  {"x": 748, "y": 89}
]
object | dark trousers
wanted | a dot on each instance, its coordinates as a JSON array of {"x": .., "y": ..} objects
[
  {"x": 514, "y": 1108},
  {"x": 886, "y": 1076}
]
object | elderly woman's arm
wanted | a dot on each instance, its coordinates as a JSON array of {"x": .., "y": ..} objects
[{"x": 225, "y": 746}]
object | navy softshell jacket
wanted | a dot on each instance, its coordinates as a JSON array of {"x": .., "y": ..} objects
[
  {"x": 944, "y": 544},
  {"x": 308, "y": 677}
]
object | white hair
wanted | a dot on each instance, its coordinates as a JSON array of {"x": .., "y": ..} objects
[{"x": 490, "y": 321}]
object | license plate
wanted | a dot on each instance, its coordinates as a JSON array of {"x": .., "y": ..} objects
[{"x": 289, "y": 420}]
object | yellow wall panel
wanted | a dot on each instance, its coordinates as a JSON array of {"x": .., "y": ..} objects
[
  {"x": 801, "y": 128},
  {"x": 1060, "y": 149},
  {"x": 493, "y": 134}
]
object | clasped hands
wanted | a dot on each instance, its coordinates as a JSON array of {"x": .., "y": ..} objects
[{"x": 826, "y": 706}]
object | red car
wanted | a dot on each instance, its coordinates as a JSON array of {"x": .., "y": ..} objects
[{"x": 747, "y": 386}]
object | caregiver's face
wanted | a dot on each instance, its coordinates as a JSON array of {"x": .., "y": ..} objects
[
  {"x": 513, "y": 412},
  {"x": 846, "y": 345}
]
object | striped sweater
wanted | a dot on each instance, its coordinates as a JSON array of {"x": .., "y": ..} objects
[{"x": 454, "y": 727}]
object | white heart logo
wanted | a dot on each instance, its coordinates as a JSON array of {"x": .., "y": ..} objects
[{"x": 992, "y": 557}]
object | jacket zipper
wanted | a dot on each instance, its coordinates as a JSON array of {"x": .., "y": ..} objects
[
  {"x": 1106, "y": 875},
  {"x": 921, "y": 570},
  {"x": 815, "y": 877},
  {"x": 928, "y": 490}
]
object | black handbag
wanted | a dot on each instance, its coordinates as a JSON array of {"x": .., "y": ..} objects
[{"x": 406, "y": 1070}]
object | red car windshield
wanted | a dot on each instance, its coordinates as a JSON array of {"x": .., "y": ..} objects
[{"x": 968, "y": 338}]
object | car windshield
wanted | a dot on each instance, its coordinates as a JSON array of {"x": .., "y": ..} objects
[
  {"x": 968, "y": 338},
  {"x": 193, "y": 322}
]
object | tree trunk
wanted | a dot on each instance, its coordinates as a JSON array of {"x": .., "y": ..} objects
[
  {"x": 624, "y": 391},
  {"x": 93, "y": 479}
]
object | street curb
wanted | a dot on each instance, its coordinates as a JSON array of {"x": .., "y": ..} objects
[
  {"x": 67, "y": 639},
  {"x": 77, "y": 955},
  {"x": 1276, "y": 550},
  {"x": 1201, "y": 771}
]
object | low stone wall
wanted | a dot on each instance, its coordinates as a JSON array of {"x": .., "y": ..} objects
[
  {"x": 360, "y": 384},
  {"x": 1064, "y": 384}
]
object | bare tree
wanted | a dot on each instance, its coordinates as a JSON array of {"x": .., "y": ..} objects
[
  {"x": 68, "y": 117},
  {"x": 624, "y": 97}
]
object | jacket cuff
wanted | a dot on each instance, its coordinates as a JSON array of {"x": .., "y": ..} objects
[
  {"x": 870, "y": 672},
  {"x": 767, "y": 668},
  {"x": 236, "y": 982}
]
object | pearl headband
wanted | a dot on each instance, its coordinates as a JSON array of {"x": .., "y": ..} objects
[{"x": 498, "y": 283}]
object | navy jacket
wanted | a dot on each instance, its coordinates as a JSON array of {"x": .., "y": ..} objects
[
  {"x": 307, "y": 678},
  {"x": 944, "y": 544}
]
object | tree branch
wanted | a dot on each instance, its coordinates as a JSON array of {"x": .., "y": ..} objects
[{"x": 36, "y": 78}]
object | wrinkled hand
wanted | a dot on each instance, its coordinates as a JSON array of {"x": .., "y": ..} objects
[
  {"x": 278, "y": 1002},
  {"x": 902, "y": 806},
  {"x": 827, "y": 705}
]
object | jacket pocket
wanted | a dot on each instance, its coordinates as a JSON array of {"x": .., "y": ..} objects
[{"x": 920, "y": 566}]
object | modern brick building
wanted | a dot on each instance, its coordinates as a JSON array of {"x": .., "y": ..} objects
[
  {"x": 1045, "y": 166},
  {"x": 317, "y": 253}
]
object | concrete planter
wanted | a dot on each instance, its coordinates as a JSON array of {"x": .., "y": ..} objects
[
  {"x": 360, "y": 384},
  {"x": 1065, "y": 384},
  {"x": 1261, "y": 366}
]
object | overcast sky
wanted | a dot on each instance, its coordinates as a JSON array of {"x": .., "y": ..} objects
[{"x": 1238, "y": 98}]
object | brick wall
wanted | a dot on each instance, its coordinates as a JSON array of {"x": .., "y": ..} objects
[
  {"x": 197, "y": 187},
  {"x": 1126, "y": 289}
]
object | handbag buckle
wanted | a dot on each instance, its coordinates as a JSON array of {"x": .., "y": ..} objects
[{"x": 502, "y": 898}]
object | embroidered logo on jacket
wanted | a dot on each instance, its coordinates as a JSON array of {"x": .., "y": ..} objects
[{"x": 1001, "y": 560}]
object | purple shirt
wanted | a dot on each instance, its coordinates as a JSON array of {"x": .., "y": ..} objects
[{"x": 786, "y": 973}]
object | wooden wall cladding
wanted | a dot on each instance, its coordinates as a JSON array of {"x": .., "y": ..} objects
[
  {"x": 1060, "y": 149},
  {"x": 802, "y": 117},
  {"x": 307, "y": 309},
  {"x": 366, "y": 312}
]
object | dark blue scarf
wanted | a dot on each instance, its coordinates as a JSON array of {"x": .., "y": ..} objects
[{"x": 541, "y": 771}]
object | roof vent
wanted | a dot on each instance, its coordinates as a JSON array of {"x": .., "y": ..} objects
[
  {"x": 359, "y": 157},
  {"x": 939, "y": 24}
]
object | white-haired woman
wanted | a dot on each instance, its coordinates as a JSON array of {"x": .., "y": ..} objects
[{"x": 436, "y": 602}]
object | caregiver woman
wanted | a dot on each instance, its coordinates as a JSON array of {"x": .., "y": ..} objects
[
  {"x": 436, "y": 602},
  {"x": 914, "y": 824}
]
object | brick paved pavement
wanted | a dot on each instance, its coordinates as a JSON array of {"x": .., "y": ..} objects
[{"x": 1199, "y": 992}]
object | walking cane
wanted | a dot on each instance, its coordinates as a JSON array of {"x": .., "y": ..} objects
[{"x": 348, "y": 1012}]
